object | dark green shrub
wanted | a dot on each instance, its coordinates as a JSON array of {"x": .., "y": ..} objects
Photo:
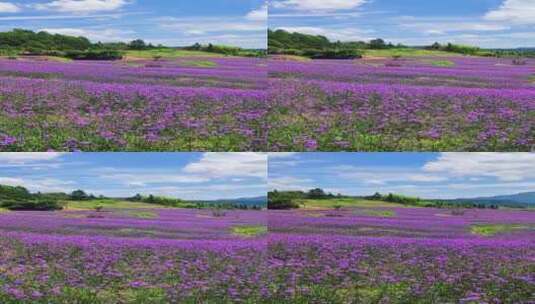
[
  {"x": 79, "y": 195},
  {"x": 28, "y": 205},
  {"x": 282, "y": 204},
  {"x": 94, "y": 55},
  {"x": 337, "y": 54}
]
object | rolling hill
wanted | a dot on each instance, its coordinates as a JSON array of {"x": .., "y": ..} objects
[{"x": 516, "y": 200}]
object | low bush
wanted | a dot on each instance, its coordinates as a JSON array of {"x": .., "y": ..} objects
[
  {"x": 94, "y": 55},
  {"x": 218, "y": 212},
  {"x": 28, "y": 205},
  {"x": 519, "y": 61},
  {"x": 279, "y": 200},
  {"x": 282, "y": 203},
  {"x": 457, "y": 211},
  {"x": 332, "y": 54},
  {"x": 396, "y": 198}
]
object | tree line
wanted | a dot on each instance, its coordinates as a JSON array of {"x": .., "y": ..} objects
[
  {"x": 27, "y": 42},
  {"x": 21, "y": 199},
  {"x": 225, "y": 50},
  {"x": 179, "y": 203},
  {"x": 477, "y": 51},
  {"x": 290, "y": 200},
  {"x": 320, "y": 47}
]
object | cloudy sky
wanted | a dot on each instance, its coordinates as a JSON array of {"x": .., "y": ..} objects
[
  {"x": 184, "y": 175},
  {"x": 170, "y": 22},
  {"x": 428, "y": 175},
  {"x": 487, "y": 23}
]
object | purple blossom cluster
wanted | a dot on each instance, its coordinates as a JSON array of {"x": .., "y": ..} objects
[
  {"x": 148, "y": 106},
  {"x": 483, "y": 104},
  {"x": 401, "y": 255},
  {"x": 177, "y": 256},
  {"x": 350, "y": 255},
  {"x": 476, "y": 104}
]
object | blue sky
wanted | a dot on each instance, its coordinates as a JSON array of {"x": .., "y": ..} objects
[
  {"x": 428, "y": 175},
  {"x": 184, "y": 175},
  {"x": 487, "y": 23},
  {"x": 169, "y": 22}
]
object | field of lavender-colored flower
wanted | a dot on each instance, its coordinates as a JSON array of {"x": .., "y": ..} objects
[
  {"x": 427, "y": 103},
  {"x": 394, "y": 254},
  {"x": 132, "y": 256},
  {"x": 179, "y": 104}
]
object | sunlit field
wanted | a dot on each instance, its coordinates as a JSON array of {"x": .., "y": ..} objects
[
  {"x": 136, "y": 255},
  {"x": 149, "y": 101},
  {"x": 399, "y": 101},
  {"x": 389, "y": 254}
]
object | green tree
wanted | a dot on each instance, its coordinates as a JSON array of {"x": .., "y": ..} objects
[
  {"x": 137, "y": 44},
  {"x": 378, "y": 44},
  {"x": 79, "y": 195}
]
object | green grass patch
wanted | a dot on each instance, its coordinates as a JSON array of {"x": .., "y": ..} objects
[
  {"x": 109, "y": 204},
  {"x": 292, "y": 58},
  {"x": 135, "y": 231},
  {"x": 58, "y": 59},
  {"x": 249, "y": 231},
  {"x": 2, "y": 210},
  {"x": 443, "y": 63},
  {"x": 378, "y": 213},
  {"x": 532, "y": 78},
  {"x": 490, "y": 230},
  {"x": 408, "y": 52},
  {"x": 344, "y": 203},
  {"x": 143, "y": 214},
  {"x": 169, "y": 53},
  {"x": 200, "y": 63}
]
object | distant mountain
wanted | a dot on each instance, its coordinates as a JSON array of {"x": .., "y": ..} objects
[
  {"x": 526, "y": 199},
  {"x": 249, "y": 201},
  {"x": 514, "y": 49}
]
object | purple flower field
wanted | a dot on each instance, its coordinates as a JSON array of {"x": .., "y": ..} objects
[
  {"x": 184, "y": 104},
  {"x": 351, "y": 255},
  {"x": 132, "y": 256},
  {"x": 403, "y": 104},
  {"x": 402, "y": 255}
]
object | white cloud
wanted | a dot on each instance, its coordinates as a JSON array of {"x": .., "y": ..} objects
[
  {"x": 230, "y": 165},
  {"x": 515, "y": 11},
  {"x": 315, "y": 5},
  {"x": 103, "y": 35},
  {"x": 247, "y": 30},
  {"x": 204, "y": 192},
  {"x": 286, "y": 183},
  {"x": 11, "y": 181},
  {"x": 260, "y": 14},
  {"x": 279, "y": 155},
  {"x": 445, "y": 25},
  {"x": 63, "y": 17},
  {"x": 143, "y": 179},
  {"x": 8, "y": 7},
  {"x": 27, "y": 157},
  {"x": 385, "y": 175},
  {"x": 449, "y": 175},
  {"x": 203, "y": 25},
  {"x": 503, "y": 166},
  {"x": 82, "y": 6},
  {"x": 42, "y": 184}
]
